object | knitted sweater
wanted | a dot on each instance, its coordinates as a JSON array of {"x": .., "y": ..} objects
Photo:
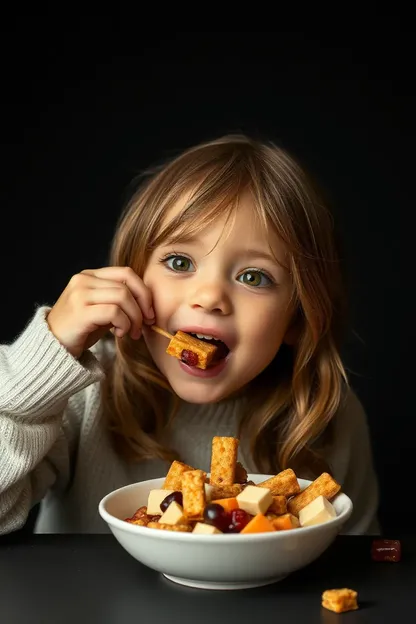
[{"x": 55, "y": 449}]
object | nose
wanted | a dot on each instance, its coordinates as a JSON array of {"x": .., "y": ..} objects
[{"x": 211, "y": 297}]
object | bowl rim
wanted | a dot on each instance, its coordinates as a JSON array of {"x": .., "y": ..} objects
[{"x": 239, "y": 538}]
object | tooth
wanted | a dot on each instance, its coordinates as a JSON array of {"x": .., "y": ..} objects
[{"x": 205, "y": 336}]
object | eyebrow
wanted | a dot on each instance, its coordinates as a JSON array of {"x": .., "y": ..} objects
[{"x": 195, "y": 240}]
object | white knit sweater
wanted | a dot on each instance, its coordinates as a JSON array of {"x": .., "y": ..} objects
[{"x": 54, "y": 446}]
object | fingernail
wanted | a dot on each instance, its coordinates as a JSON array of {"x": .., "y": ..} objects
[
  {"x": 151, "y": 313},
  {"x": 149, "y": 321}
]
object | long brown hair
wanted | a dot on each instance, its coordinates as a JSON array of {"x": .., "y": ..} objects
[{"x": 295, "y": 398}]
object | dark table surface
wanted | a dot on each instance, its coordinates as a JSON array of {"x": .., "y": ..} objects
[{"x": 60, "y": 579}]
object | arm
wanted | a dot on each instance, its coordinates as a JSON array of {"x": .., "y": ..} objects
[
  {"x": 37, "y": 378},
  {"x": 351, "y": 460}
]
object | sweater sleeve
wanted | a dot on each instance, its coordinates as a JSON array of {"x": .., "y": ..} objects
[
  {"x": 37, "y": 378},
  {"x": 351, "y": 458}
]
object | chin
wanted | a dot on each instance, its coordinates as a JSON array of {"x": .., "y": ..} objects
[{"x": 198, "y": 394}]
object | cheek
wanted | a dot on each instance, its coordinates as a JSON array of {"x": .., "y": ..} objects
[
  {"x": 267, "y": 327},
  {"x": 164, "y": 295}
]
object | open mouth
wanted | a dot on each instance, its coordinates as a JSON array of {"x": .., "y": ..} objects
[{"x": 222, "y": 349}]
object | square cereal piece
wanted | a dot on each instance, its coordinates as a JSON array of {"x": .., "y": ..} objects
[
  {"x": 340, "y": 600},
  {"x": 173, "y": 480},
  {"x": 278, "y": 506},
  {"x": 284, "y": 483},
  {"x": 324, "y": 486},
  {"x": 204, "y": 351},
  {"x": 193, "y": 493},
  {"x": 223, "y": 460},
  {"x": 226, "y": 491}
]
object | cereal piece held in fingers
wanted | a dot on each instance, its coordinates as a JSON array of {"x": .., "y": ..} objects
[
  {"x": 223, "y": 460},
  {"x": 324, "y": 485},
  {"x": 191, "y": 350},
  {"x": 173, "y": 480},
  {"x": 193, "y": 490},
  {"x": 284, "y": 483}
]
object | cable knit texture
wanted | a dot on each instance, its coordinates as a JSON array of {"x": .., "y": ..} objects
[{"x": 55, "y": 449}]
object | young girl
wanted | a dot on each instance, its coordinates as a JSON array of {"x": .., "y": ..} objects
[{"x": 228, "y": 241}]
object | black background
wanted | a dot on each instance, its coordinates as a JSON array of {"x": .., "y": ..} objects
[{"x": 81, "y": 117}]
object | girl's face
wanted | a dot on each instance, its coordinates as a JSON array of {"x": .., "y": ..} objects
[{"x": 228, "y": 286}]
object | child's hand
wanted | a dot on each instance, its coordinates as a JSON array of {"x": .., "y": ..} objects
[{"x": 97, "y": 300}]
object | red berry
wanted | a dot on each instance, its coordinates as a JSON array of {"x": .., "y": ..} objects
[
  {"x": 189, "y": 357},
  {"x": 239, "y": 519}
]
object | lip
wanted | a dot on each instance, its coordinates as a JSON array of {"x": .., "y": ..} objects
[
  {"x": 206, "y": 373},
  {"x": 226, "y": 337}
]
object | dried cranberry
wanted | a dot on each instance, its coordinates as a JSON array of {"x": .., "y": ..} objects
[
  {"x": 239, "y": 519},
  {"x": 189, "y": 357},
  {"x": 386, "y": 550},
  {"x": 170, "y": 498},
  {"x": 216, "y": 515}
]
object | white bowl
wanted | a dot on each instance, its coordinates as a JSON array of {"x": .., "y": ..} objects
[{"x": 226, "y": 561}]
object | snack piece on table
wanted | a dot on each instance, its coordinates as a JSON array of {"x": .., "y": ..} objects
[
  {"x": 284, "y": 483},
  {"x": 258, "y": 524},
  {"x": 386, "y": 550},
  {"x": 255, "y": 500},
  {"x": 316, "y": 512},
  {"x": 324, "y": 485},
  {"x": 340, "y": 600},
  {"x": 223, "y": 460},
  {"x": 173, "y": 480},
  {"x": 180, "y": 528},
  {"x": 193, "y": 491},
  {"x": 205, "y": 529},
  {"x": 192, "y": 351}
]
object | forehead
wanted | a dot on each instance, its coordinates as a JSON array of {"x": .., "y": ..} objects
[{"x": 237, "y": 223}]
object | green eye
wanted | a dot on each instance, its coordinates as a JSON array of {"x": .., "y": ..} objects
[
  {"x": 255, "y": 278},
  {"x": 178, "y": 263}
]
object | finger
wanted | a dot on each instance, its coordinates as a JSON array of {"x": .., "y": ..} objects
[
  {"x": 121, "y": 297},
  {"x": 135, "y": 284},
  {"x": 111, "y": 315}
]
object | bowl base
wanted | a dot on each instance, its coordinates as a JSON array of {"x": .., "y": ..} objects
[{"x": 223, "y": 585}]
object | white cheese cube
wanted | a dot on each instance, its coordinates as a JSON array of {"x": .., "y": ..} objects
[
  {"x": 208, "y": 491},
  {"x": 255, "y": 500},
  {"x": 154, "y": 500},
  {"x": 208, "y": 529},
  {"x": 317, "y": 511},
  {"x": 173, "y": 515}
]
